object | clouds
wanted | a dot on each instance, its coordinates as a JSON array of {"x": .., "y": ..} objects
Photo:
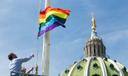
[{"x": 116, "y": 36}]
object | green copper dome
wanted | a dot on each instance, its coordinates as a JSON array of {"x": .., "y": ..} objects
[
  {"x": 95, "y": 63},
  {"x": 95, "y": 66}
]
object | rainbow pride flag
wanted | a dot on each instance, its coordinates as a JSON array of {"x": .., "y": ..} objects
[{"x": 51, "y": 18}]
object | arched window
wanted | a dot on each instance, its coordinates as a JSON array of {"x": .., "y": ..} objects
[
  {"x": 94, "y": 50},
  {"x": 98, "y": 50},
  {"x": 114, "y": 75},
  {"x": 95, "y": 75},
  {"x": 79, "y": 67},
  {"x": 90, "y": 51},
  {"x": 87, "y": 50},
  {"x": 95, "y": 65},
  {"x": 66, "y": 71}
]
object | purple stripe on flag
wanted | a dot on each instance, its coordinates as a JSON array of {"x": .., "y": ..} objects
[{"x": 56, "y": 24}]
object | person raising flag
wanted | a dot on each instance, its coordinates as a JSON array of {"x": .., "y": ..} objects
[{"x": 15, "y": 65}]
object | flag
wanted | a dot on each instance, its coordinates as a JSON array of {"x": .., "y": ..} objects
[{"x": 51, "y": 18}]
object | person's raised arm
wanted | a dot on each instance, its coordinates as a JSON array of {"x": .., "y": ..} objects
[{"x": 27, "y": 58}]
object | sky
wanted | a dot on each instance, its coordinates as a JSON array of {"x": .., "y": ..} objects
[{"x": 19, "y": 27}]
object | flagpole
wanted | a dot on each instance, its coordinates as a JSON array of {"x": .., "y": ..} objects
[{"x": 46, "y": 48}]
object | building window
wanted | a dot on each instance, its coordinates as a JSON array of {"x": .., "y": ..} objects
[
  {"x": 98, "y": 50},
  {"x": 114, "y": 75},
  {"x": 87, "y": 50},
  {"x": 90, "y": 51},
  {"x": 95, "y": 75},
  {"x": 79, "y": 67},
  {"x": 66, "y": 71},
  {"x": 94, "y": 50},
  {"x": 95, "y": 66}
]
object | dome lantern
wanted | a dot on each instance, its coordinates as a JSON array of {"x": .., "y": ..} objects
[{"x": 94, "y": 46}]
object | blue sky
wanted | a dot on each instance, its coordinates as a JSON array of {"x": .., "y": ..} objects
[{"x": 19, "y": 26}]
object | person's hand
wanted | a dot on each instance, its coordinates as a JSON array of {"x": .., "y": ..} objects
[
  {"x": 32, "y": 55},
  {"x": 32, "y": 69}
]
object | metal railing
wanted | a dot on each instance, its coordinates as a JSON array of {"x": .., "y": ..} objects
[{"x": 23, "y": 74}]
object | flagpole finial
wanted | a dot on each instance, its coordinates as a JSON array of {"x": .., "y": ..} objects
[
  {"x": 93, "y": 23},
  {"x": 47, "y": 3}
]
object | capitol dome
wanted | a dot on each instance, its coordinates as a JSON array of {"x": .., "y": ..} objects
[
  {"x": 96, "y": 63},
  {"x": 95, "y": 66}
]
